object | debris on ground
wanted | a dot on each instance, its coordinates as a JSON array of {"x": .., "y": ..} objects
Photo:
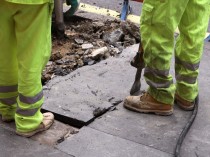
[{"x": 87, "y": 42}]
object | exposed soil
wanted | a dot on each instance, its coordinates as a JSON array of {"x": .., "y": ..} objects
[{"x": 82, "y": 38}]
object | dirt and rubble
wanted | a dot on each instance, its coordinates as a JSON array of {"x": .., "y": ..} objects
[{"x": 87, "y": 42}]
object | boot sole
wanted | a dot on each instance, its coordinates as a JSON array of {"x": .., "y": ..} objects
[
  {"x": 157, "y": 112},
  {"x": 42, "y": 127},
  {"x": 190, "y": 108},
  {"x": 32, "y": 132}
]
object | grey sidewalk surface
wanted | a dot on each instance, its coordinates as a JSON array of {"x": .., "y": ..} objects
[
  {"x": 120, "y": 132},
  {"x": 12, "y": 145},
  {"x": 112, "y": 131}
]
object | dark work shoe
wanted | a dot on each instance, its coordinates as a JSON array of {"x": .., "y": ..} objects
[
  {"x": 145, "y": 103},
  {"x": 184, "y": 104}
]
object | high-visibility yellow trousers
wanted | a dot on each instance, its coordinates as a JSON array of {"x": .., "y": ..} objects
[
  {"x": 25, "y": 47},
  {"x": 158, "y": 22}
]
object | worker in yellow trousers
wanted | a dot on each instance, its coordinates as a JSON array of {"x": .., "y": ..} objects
[
  {"x": 25, "y": 47},
  {"x": 158, "y": 22}
]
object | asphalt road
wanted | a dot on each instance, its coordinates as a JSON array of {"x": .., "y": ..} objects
[{"x": 115, "y": 5}]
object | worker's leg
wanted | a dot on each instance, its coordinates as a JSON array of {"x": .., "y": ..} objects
[
  {"x": 158, "y": 22},
  {"x": 189, "y": 47},
  {"x": 32, "y": 27},
  {"x": 8, "y": 63}
]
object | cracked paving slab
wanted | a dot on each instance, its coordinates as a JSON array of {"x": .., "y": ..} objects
[
  {"x": 101, "y": 144},
  {"x": 90, "y": 91},
  {"x": 161, "y": 133}
]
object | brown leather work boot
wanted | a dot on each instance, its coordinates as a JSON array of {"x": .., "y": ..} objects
[
  {"x": 184, "y": 104},
  {"x": 145, "y": 103},
  {"x": 48, "y": 119}
]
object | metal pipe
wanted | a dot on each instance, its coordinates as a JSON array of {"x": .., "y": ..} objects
[{"x": 59, "y": 19}]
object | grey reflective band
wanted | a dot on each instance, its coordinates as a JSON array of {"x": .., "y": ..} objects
[
  {"x": 189, "y": 66},
  {"x": 31, "y": 100},
  {"x": 159, "y": 84},
  {"x": 8, "y": 101},
  {"x": 26, "y": 112},
  {"x": 187, "y": 79},
  {"x": 155, "y": 72},
  {"x": 7, "y": 89}
]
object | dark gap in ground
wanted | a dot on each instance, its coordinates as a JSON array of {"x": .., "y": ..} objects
[
  {"x": 67, "y": 120},
  {"x": 79, "y": 124}
]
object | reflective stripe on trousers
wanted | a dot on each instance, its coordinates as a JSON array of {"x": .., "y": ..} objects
[
  {"x": 8, "y": 101},
  {"x": 29, "y": 101},
  {"x": 158, "y": 23},
  {"x": 22, "y": 98},
  {"x": 183, "y": 65},
  {"x": 8, "y": 94},
  {"x": 162, "y": 82}
]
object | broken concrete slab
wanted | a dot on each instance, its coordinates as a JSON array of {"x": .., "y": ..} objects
[
  {"x": 87, "y": 46},
  {"x": 114, "y": 37},
  {"x": 76, "y": 97},
  {"x": 90, "y": 91},
  {"x": 93, "y": 143},
  {"x": 16, "y": 146},
  {"x": 158, "y": 132},
  {"x": 162, "y": 132},
  {"x": 99, "y": 52},
  {"x": 153, "y": 131}
]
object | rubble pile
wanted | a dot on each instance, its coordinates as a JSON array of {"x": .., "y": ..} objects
[{"x": 88, "y": 42}]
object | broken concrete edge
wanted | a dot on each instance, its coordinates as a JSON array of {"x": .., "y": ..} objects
[
  {"x": 73, "y": 122},
  {"x": 79, "y": 124}
]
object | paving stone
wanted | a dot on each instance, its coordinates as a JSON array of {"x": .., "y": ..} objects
[
  {"x": 155, "y": 131},
  {"x": 87, "y": 46},
  {"x": 93, "y": 143},
  {"x": 162, "y": 132},
  {"x": 56, "y": 134},
  {"x": 16, "y": 146},
  {"x": 197, "y": 143},
  {"x": 91, "y": 90}
]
